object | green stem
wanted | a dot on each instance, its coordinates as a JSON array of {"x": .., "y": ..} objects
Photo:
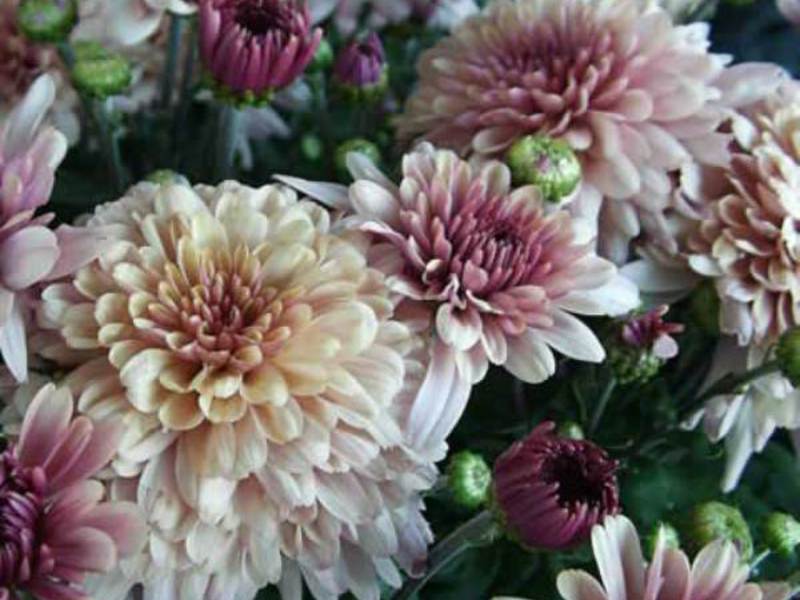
[
  {"x": 110, "y": 144},
  {"x": 185, "y": 101},
  {"x": 227, "y": 129},
  {"x": 479, "y": 530},
  {"x": 602, "y": 404},
  {"x": 67, "y": 54},
  {"x": 173, "y": 50}
]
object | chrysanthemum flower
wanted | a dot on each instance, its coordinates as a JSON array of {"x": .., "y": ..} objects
[
  {"x": 717, "y": 572},
  {"x": 56, "y": 529},
  {"x": 748, "y": 243},
  {"x": 498, "y": 275},
  {"x": 634, "y": 95},
  {"x": 21, "y": 61},
  {"x": 264, "y": 384},
  {"x": 271, "y": 42},
  {"x": 30, "y": 253},
  {"x": 550, "y": 491}
]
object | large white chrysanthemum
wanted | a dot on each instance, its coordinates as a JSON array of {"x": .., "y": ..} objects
[{"x": 264, "y": 385}]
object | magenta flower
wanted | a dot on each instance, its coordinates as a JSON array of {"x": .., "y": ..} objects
[
  {"x": 256, "y": 46},
  {"x": 651, "y": 333},
  {"x": 30, "y": 253},
  {"x": 361, "y": 64},
  {"x": 55, "y": 528},
  {"x": 551, "y": 491}
]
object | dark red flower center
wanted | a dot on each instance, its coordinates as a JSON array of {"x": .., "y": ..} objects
[
  {"x": 259, "y": 17},
  {"x": 22, "y": 497},
  {"x": 583, "y": 477}
]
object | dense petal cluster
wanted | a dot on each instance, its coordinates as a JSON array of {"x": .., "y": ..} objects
[
  {"x": 264, "y": 386},
  {"x": 271, "y": 42},
  {"x": 54, "y": 527},
  {"x": 550, "y": 491},
  {"x": 30, "y": 252},
  {"x": 496, "y": 271},
  {"x": 717, "y": 572},
  {"x": 749, "y": 243},
  {"x": 634, "y": 95}
]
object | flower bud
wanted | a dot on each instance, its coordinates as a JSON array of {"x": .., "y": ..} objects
[
  {"x": 549, "y": 164},
  {"x": 312, "y": 147},
  {"x": 713, "y": 521},
  {"x": 787, "y": 353},
  {"x": 323, "y": 57},
  {"x": 469, "y": 479},
  {"x": 365, "y": 147},
  {"x": 571, "y": 430},
  {"x": 781, "y": 533},
  {"x": 361, "y": 72},
  {"x": 49, "y": 21},
  {"x": 644, "y": 344},
  {"x": 98, "y": 72},
  {"x": 549, "y": 491},
  {"x": 667, "y": 533},
  {"x": 167, "y": 176},
  {"x": 251, "y": 49}
]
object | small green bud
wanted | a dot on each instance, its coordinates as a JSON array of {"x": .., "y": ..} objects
[
  {"x": 99, "y": 72},
  {"x": 704, "y": 308},
  {"x": 787, "y": 354},
  {"x": 713, "y": 521},
  {"x": 312, "y": 147},
  {"x": 666, "y": 532},
  {"x": 781, "y": 533},
  {"x": 571, "y": 430},
  {"x": 633, "y": 365},
  {"x": 549, "y": 164},
  {"x": 364, "y": 94},
  {"x": 167, "y": 176},
  {"x": 365, "y": 147},
  {"x": 48, "y": 21},
  {"x": 469, "y": 479},
  {"x": 323, "y": 57}
]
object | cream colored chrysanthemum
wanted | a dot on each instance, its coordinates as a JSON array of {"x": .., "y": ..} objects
[
  {"x": 263, "y": 383},
  {"x": 749, "y": 242}
]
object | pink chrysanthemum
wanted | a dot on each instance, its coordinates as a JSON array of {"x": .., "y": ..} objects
[
  {"x": 30, "y": 253},
  {"x": 716, "y": 574},
  {"x": 748, "y": 243},
  {"x": 634, "y": 95},
  {"x": 498, "y": 276},
  {"x": 550, "y": 491},
  {"x": 256, "y": 46},
  {"x": 55, "y": 528},
  {"x": 264, "y": 383}
]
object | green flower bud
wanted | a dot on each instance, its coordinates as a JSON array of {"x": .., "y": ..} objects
[
  {"x": 571, "y": 430},
  {"x": 669, "y": 535},
  {"x": 549, "y": 164},
  {"x": 469, "y": 479},
  {"x": 633, "y": 365},
  {"x": 312, "y": 147},
  {"x": 323, "y": 57},
  {"x": 781, "y": 533},
  {"x": 713, "y": 521},
  {"x": 99, "y": 72},
  {"x": 704, "y": 308},
  {"x": 787, "y": 353},
  {"x": 365, "y": 147},
  {"x": 167, "y": 176},
  {"x": 49, "y": 21}
]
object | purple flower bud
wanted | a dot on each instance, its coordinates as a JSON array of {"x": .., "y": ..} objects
[
  {"x": 651, "y": 333},
  {"x": 550, "y": 491},
  {"x": 362, "y": 64},
  {"x": 253, "y": 47}
]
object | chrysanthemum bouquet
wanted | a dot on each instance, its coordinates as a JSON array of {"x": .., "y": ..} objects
[{"x": 399, "y": 299}]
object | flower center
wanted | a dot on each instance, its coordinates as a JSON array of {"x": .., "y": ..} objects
[
  {"x": 581, "y": 480},
  {"x": 259, "y": 17},
  {"x": 21, "y": 507}
]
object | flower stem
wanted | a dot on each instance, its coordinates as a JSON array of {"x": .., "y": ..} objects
[
  {"x": 602, "y": 404},
  {"x": 110, "y": 144},
  {"x": 173, "y": 50},
  {"x": 479, "y": 530},
  {"x": 67, "y": 54},
  {"x": 227, "y": 129},
  {"x": 185, "y": 101}
]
